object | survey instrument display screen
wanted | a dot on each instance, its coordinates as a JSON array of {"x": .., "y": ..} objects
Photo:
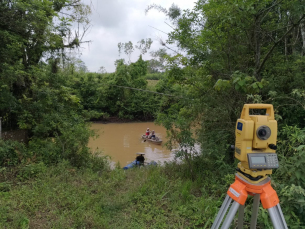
[
  {"x": 263, "y": 161},
  {"x": 258, "y": 160}
]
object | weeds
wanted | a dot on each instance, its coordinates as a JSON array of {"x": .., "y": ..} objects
[{"x": 64, "y": 196}]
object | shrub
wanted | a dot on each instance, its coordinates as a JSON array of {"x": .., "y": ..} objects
[
  {"x": 13, "y": 153},
  {"x": 155, "y": 76}
]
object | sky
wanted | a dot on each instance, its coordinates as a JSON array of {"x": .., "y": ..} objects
[{"x": 114, "y": 21}]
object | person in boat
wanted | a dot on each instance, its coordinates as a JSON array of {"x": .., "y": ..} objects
[
  {"x": 140, "y": 159},
  {"x": 147, "y": 133},
  {"x": 152, "y": 136}
]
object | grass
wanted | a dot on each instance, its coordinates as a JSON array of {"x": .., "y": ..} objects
[
  {"x": 65, "y": 197},
  {"x": 151, "y": 84},
  {"x": 36, "y": 196}
]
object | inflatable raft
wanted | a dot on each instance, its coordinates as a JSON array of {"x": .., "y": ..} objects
[{"x": 136, "y": 163}]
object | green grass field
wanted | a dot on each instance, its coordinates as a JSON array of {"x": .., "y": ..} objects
[
  {"x": 64, "y": 197},
  {"x": 61, "y": 196},
  {"x": 151, "y": 84}
]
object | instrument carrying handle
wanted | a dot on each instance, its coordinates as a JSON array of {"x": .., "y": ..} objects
[{"x": 247, "y": 107}]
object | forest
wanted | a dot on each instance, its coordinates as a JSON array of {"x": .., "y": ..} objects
[{"x": 228, "y": 53}]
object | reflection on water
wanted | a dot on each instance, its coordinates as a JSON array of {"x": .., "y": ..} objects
[{"x": 122, "y": 141}]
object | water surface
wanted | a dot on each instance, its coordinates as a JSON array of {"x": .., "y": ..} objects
[{"x": 121, "y": 141}]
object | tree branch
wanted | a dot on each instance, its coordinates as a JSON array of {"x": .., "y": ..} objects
[{"x": 277, "y": 42}]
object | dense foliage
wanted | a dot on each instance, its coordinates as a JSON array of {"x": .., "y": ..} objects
[
  {"x": 120, "y": 94},
  {"x": 34, "y": 96},
  {"x": 49, "y": 93},
  {"x": 228, "y": 53},
  {"x": 238, "y": 52}
]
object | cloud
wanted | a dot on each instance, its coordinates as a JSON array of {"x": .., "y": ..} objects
[
  {"x": 107, "y": 14},
  {"x": 115, "y": 21}
]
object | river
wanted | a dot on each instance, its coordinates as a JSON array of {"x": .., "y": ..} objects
[{"x": 121, "y": 141}]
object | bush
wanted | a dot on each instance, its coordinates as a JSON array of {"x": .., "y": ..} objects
[
  {"x": 13, "y": 153},
  {"x": 31, "y": 171},
  {"x": 289, "y": 178},
  {"x": 155, "y": 76}
]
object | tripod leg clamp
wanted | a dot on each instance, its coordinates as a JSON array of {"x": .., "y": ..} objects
[
  {"x": 269, "y": 197},
  {"x": 237, "y": 192}
]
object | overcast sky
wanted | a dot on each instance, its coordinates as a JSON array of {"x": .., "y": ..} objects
[{"x": 115, "y": 21}]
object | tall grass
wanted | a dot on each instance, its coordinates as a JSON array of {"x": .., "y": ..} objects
[{"x": 64, "y": 196}]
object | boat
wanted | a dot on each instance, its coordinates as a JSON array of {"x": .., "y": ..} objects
[
  {"x": 139, "y": 161},
  {"x": 131, "y": 165},
  {"x": 134, "y": 164},
  {"x": 156, "y": 140}
]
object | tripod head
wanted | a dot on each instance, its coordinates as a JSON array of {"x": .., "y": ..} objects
[{"x": 255, "y": 142}]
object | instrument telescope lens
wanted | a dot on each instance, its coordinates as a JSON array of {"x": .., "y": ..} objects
[{"x": 263, "y": 132}]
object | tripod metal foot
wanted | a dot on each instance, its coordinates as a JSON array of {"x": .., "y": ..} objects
[
  {"x": 241, "y": 211},
  {"x": 277, "y": 217},
  {"x": 230, "y": 216},
  {"x": 256, "y": 201},
  {"x": 221, "y": 214},
  {"x": 224, "y": 207}
]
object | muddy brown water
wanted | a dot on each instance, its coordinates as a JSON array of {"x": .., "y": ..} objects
[{"x": 121, "y": 141}]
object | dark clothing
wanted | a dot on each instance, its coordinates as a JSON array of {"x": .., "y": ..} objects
[{"x": 140, "y": 160}]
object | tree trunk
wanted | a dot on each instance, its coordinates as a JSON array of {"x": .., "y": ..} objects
[
  {"x": 302, "y": 26},
  {"x": 257, "y": 47}
]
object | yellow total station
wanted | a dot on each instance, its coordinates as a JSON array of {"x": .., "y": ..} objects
[{"x": 255, "y": 143}]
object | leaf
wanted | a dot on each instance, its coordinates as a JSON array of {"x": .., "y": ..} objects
[
  {"x": 241, "y": 83},
  {"x": 301, "y": 147},
  {"x": 236, "y": 80},
  {"x": 249, "y": 78},
  {"x": 301, "y": 201},
  {"x": 298, "y": 175},
  {"x": 221, "y": 84}
]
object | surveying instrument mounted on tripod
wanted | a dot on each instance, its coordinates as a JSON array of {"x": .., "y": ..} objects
[{"x": 255, "y": 147}]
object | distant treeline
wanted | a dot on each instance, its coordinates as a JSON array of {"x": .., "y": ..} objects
[{"x": 155, "y": 76}]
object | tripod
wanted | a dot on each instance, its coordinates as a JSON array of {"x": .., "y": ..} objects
[{"x": 238, "y": 192}]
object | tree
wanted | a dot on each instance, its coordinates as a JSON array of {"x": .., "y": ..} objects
[
  {"x": 233, "y": 53},
  {"x": 127, "y": 48},
  {"x": 102, "y": 70},
  {"x": 32, "y": 34},
  {"x": 144, "y": 45},
  {"x": 157, "y": 64},
  {"x": 138, "y": 69}
]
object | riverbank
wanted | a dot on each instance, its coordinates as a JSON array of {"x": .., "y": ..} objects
[
  {"x": 115, "y": 119},
  {"x": 171, "y": 196},
  {"x": 65, "y": 197}
]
